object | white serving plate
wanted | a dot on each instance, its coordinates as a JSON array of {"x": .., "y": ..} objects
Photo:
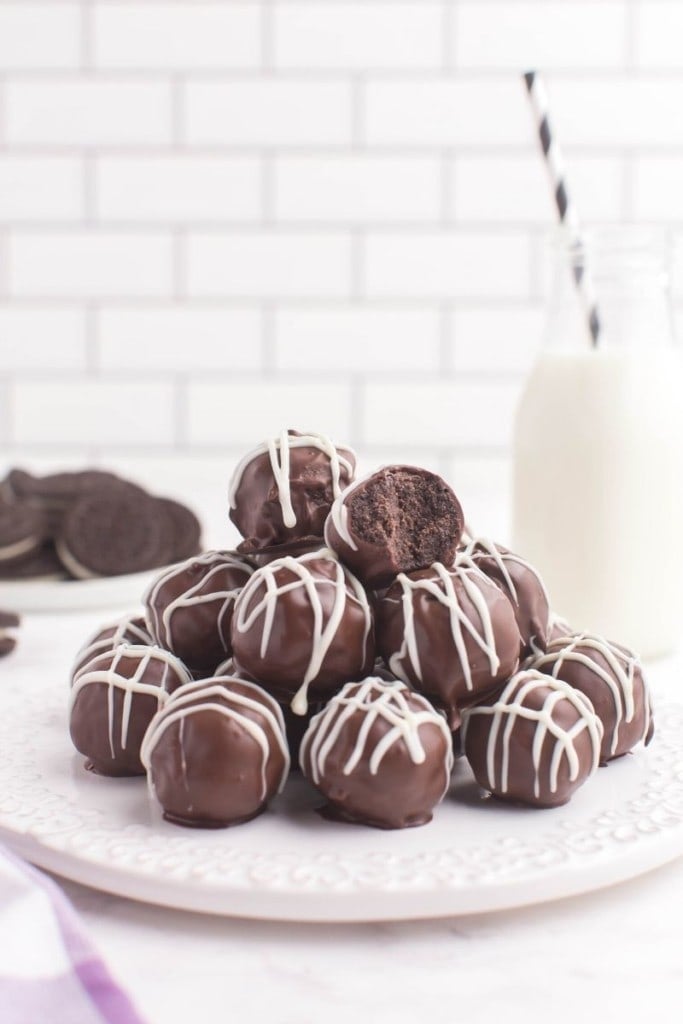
[
  {"x": 289, "y": 864},
  {"x": 75, "y": 595}
]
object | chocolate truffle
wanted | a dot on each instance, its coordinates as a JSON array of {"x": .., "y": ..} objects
[
  {"x": 612, "y": 678},
  {"x": 282, "y": 491},
  {"x": 521, "y": 583},
  {"x": 304, "y": 623},
  {"x": 216, "y": 753},
  {"x": 557, "y": 627},
  {"x": 132, "y": 629},
  {"x": 113, "y": 700},
  {"x": 380, "y": 754},
  {"x": 400, "y": 519},
  {"x": 190, "y": 606},
  {"x": 449, "y": 632},
  {"x": 295, "y": 725},
  {"x": 534, "y": 744}
]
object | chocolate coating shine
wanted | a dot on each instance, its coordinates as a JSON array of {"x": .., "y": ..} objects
[
  {"x": 216, "y": 753},
  {"x": 189, "y": 608},
  {"x": 534, "y": 744},
  {"x": 612, "y": 678},
  {"x": 295, "y": 725},
  {"x": 132, "y": 629},
  {"x": 521, "y": 584},
  {"x": 449, "y": 632},
  {"x": 113, "y": 700},
  {"x": 380, "y": 754},
  {"x": 399, "y": 519},
  {"x": 282, "y": 492},
  {"x": 303, "y": 625}
]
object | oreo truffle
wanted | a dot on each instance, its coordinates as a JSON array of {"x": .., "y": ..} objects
[
  {"x": 303, "y": 624},
  {"x": 521, "y": 584},
  {"x": 380, "y": 754},
  {"x": 113, "y": 700},
  {"x": 612, "y": 678},
  {"x": 215, "y": 754},
  {"x": 132, "y": 629},
  {"x": 295, "y": 725},
  {"x": 189, "y": 608},
  {"x": 399, "y": 519},
  {"x": 535, "y": 743},
  {"x": 449, "y": 632},
  {"x": 282, "y": 491}
]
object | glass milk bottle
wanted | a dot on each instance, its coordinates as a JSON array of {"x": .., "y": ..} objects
[{"x": 598, "y": 446}]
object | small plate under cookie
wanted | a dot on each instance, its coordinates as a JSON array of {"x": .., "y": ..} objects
[{"x": 75, "y": 595}]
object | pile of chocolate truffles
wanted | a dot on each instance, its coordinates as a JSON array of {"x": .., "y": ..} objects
[{"x": 360, "y": 634}]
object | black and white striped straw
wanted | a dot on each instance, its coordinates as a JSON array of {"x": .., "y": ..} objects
[{"x": 565, "y": 208}]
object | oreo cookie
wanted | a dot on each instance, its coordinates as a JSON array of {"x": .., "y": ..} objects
[
  {"x": 92, "y": 523},
  {"x": 22, "y": 532},
  {"x": 55, "y": 491},
  {"x": 114, "y": 531},
  {"x": 8, "y": 621},
  {"x": 184, "y": 526},
  {"x": 43, "y": 564}
]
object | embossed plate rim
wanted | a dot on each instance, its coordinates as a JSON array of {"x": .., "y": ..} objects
[{"x": 578, "y": 849}]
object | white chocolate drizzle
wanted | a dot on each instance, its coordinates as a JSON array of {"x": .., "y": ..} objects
[
  {"x": 278, "y": 450},
  {"x": 619, "y": 677},
  {"x": 374, "y": 699},
  {"x": 483, "y": 547},
  {"x": 514, "y": 704},
  {"x": 214, "y": 695},
  {"x": 339, "y": 516},
  {"x": 125, "y": 631},
  {"x": 443, "y": 589},
  {"x": 174, "y": 673},
  {"x": 215, "y": 563},
  {"x": 260, "y": 596}
]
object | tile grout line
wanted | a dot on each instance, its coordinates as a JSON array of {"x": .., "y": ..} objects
[
  {"x": 268, "y": 339},
  {"x": 178, "y": 113},
  {"x": 179, "y": 275},
  {"x": 87, "y": 37},
  {"x": 358, "y": 113},
  {"x": 92, "y": 327}
]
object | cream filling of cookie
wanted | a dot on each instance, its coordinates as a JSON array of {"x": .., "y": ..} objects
[
  {"x": 20, "y": 547},
  {"x": 73, "y": 565}
]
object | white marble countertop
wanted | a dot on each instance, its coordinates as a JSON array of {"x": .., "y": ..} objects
[{"x": 614, "y": 954}]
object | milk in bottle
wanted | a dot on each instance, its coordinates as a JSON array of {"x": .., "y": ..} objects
[{"x": 598, "y": 449}]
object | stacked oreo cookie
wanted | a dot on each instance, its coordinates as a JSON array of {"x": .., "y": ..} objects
[
  {"x": 359, "y": 631},
  {"x": 87, "y": 524},
  {"x": 9, "y": 622}
]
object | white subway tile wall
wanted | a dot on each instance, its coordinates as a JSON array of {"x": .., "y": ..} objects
[{"x": 221, "y": 218}]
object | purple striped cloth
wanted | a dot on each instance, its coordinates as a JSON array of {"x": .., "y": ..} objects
[{"x": 49, "y": 971}]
